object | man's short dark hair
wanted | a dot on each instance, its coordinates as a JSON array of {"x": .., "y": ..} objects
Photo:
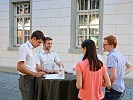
[
  {"x": 38, "y": 35},
  {"x": 47, "y": 38}
]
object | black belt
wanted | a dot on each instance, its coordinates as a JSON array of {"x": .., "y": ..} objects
[{"x": 26, "y": 76}]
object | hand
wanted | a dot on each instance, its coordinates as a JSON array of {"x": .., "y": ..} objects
[
  {"x": 51, "y": 71},
  {"x": 40, "y": 74},
  {"x": 107, "y": 90},
  {"x": 65, "y": 71},
  {"x": 44, "y": 70}
]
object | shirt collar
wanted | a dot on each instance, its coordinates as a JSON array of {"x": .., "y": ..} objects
[
  {"x": 30, "y": 45},
  {"x": 113, "y": 50},
  {"x": 45, "y": 51}
]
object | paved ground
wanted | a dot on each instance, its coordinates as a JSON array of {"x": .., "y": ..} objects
[{"x": 9, "y": 87}]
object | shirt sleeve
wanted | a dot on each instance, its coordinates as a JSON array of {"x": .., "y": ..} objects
[
  {"x": 78, "y": 68},
  {"x": 112, "y": 61},
  {"x": 57, "y": 59},
  {"x": 22, "y": 53}
]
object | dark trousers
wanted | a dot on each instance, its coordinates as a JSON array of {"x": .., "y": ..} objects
[
  {"x": 27, "y": 87},
  {"x": 113, "y": 95}
]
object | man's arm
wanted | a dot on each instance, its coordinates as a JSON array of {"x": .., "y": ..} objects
[
  {"x": 57, "y": 60},
  {"x": 60, "y": 64},
  {"x": 106, "y": 82},
  {"x": 129, "y": 67},
  {"x": 21, "y": 67},
  {"x": 113, "y": 75},
  {"x": 40, "y": 69}
]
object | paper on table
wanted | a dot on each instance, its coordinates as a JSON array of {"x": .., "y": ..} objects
[{"x": 52, "y": 76}]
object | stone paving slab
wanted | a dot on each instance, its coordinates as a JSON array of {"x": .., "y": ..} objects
[{"x": 9, "y": 87}]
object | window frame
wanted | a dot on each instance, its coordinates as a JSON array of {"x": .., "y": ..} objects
[
  {"x": 73, "y": 48},
  {"x": 12, "y": 46}
]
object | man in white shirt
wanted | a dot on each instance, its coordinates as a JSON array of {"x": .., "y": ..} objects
[
  {"x": 26, "y": 65},
  {"x": 46, "y": 58}
]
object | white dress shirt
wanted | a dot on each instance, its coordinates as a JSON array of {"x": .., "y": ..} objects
[
  {"x": 26, "y": 53},
  {"x": 47, "y": 60}
]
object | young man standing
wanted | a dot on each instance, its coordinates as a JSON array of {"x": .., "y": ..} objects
[
  {"x": 26, "y": 65},
  {"x": 117, "y": 65},
  {"x": 47, "y": 58}
]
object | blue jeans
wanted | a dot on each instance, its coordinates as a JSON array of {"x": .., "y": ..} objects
[
  {"x": 113, "y": 95},
  {"x": 27, "y": 87}
]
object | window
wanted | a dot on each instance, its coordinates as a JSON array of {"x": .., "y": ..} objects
[
  {"x": 87, "y": 21},
  {"x": 19, "y": 23}
]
